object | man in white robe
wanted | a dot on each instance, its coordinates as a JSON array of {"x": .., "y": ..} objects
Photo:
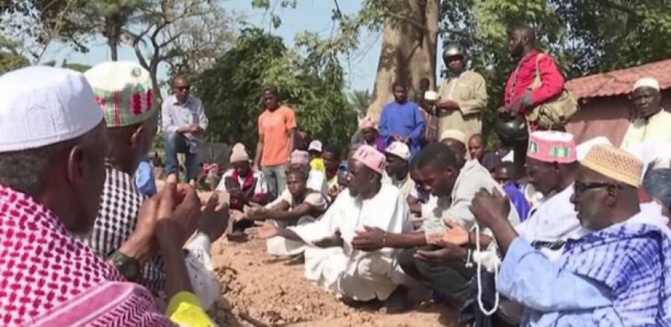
[
  {"x": 331, "y": 261},
  {"x": 650, "y": 122}
]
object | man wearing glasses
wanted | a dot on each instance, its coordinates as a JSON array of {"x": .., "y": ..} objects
[{"x": 184, "y": 123}]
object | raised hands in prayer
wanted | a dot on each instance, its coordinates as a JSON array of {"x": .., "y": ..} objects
[
  {"x": 215, "y": 215},
  {"x": 490, "y": 208},
  {"x": 333, "y": 241},
  {"x": 237, "y": 215},
  {"x": 255, "y": 211},
  {"x": 454, "y": 235},
  {"x": 369, "y": 239},
  {"x": 266, "y": 229},
  {"x": 442, "y": 255}
]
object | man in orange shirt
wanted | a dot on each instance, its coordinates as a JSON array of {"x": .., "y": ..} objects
[{"x": 277, "y": 130}]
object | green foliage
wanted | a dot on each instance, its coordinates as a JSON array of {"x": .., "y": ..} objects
[
  {"x": 75, "y": 66},
  {"x": 585, "y": 36},
  {"x": 10, "y": 58},
  {"x": 311, "y": 84},
  {"x": 360, "y": 100}
]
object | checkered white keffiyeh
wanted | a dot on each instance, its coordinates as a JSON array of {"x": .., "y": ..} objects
[
  {"x": 44, "y": 270},
  {"x": 119, "y": 207}
]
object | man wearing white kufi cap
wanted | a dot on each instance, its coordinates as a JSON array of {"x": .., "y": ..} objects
[
  {"x": 650, "y": 122},
  {"x": 124, "y": 92},
  {"x": 53, "y": 143}
]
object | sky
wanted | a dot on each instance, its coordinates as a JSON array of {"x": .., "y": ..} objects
[{"x": 309, "y": 15}]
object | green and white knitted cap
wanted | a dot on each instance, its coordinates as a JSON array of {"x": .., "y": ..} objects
[{"x": 123, "y": 89}]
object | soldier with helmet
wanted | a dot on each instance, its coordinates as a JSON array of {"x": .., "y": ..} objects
[{"x": 463, "y": 95}]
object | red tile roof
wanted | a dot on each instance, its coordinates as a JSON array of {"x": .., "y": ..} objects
[{"x": 619, "y": 82}]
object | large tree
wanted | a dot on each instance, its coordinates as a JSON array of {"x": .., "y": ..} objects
[
  {"x": 408, "y": 52},
  {"x": 311, "y": 84},
  {"x": 187, "y": 35}
]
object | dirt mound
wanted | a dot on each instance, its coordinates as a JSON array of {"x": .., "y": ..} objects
[{"x": 257, "y": 292}]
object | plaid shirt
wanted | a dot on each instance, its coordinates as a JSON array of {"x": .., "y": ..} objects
[{"x": 119, "y": 207}]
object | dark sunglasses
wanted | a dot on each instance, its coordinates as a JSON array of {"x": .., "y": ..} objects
[
  {"x": 183, "y": 88},
  {"x": 579, "y": 187}
]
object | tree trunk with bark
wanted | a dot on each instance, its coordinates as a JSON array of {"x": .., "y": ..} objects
[{"x": 408, "y": 52}]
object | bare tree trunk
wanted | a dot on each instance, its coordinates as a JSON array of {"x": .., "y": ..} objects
[
  {"x": 114, "y": 51},
  {"x": 408, "y": 52}
]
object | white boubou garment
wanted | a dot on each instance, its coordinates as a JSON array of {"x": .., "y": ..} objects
[{"x": 350, "y": 273}]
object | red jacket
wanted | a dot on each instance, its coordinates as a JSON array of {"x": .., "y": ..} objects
[{"x": 551, "y": 77}]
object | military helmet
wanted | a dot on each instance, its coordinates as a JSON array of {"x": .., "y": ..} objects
[{"x": 453, "y": 50}]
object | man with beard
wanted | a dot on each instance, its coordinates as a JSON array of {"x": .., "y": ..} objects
[
  {"x": 521, "y": 92},
  {"x": 53, "y": 144},
  {"x": 334, "y": 260},
  {"x": 463, "y": 95},
  {"x": 131, "y": 127},
  {"x": 610, "y": 277},
  {"x": 402, "y": 120},
  {"x": 649, "y": 121}
]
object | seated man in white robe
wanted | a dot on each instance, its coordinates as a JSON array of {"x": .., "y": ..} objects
[
  {"x": 297, "y": 204},
  {"x": 316, "y": 180},
  {"x": 331, "y": 260}
]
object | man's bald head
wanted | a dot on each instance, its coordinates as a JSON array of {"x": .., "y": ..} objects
[
  {"x": 527, "y": 32},
  {"x": 521, "y": 41},
  {"x": 181, "y": 88}
]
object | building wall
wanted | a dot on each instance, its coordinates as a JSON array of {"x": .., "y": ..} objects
[{"x": 605, "y": 117}]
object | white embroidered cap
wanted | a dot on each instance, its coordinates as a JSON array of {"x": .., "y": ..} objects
[
  {"x": 43, "y": 105},
  {"x": 398, "y": 149},
  {"x": 646, "y": 82}
]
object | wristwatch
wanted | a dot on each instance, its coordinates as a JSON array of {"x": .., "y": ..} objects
[{"x": 127, "y": 266}]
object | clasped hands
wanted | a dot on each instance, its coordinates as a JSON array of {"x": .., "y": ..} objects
[{"x": 178, "y": 208}]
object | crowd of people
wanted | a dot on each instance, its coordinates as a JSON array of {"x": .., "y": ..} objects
[{"x": 538, "y": 231}]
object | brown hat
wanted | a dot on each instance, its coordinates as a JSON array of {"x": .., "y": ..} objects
[{"x": 614, "y": 163}]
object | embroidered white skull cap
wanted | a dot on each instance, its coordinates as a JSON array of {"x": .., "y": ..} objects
[
  {"x": 646, "y": 82},
  {"x": 43, "y": 105}
]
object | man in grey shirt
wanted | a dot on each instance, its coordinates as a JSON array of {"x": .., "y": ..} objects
[{"x": 184, "y": 123}]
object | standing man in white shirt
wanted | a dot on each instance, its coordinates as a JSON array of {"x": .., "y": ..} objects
[{"x": 184, "y": 123}]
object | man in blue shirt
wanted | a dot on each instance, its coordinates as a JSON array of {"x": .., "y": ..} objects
[
  {"x": 610, "y": 277},
  {"x": 402, "y": 120},
  {"x": 144, "y": 177}
]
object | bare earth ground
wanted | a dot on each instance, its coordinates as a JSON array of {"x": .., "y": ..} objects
[{"x": 256, "y": 292}]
